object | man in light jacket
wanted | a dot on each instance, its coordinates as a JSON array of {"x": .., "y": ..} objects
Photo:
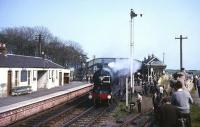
[{"x": 182, "y": 100}]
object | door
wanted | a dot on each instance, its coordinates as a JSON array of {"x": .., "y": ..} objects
[
  {"x": 66, "y": 78},
  {"x": 9, "y": 83}
]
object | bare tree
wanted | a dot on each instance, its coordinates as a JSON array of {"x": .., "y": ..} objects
[{"x": 22, "y": 40}]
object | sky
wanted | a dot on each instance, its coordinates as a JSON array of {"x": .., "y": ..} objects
[{"x": 102, "y": 27}]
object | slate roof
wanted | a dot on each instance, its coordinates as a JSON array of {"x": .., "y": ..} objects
[
  {"x": 153, "y": 60},
  {"x": 20, "y": 61}
]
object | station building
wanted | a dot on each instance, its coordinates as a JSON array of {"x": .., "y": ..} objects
[
  {"x": 36, "y": 72},
  {"x": 152, "y": 67}
]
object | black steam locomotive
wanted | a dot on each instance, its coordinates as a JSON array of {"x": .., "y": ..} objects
[{"x": 102, "y": 90}]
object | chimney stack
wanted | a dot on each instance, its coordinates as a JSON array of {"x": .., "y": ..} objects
[{"x": 3, "y": 49}]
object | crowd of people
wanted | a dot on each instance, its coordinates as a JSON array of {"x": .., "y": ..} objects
[{"x": 172, "y": 109}]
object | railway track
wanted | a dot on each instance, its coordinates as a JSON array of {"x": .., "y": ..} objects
[
  {"x": 98, "y": 117},
  {"x": 94, "y": 116},
  {"x": 85, "y": 119},
  {"x": 55, "y": 117},
  {"x": 68, "y": 114},
  {"x": 140, "y": 120},
  {"x": 83, "y": 114},
  {"x": 79, "y": 112}
]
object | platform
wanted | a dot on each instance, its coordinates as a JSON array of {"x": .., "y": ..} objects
[
  {"x": 14, "y": 108},
  {"x": 15, "y": 99}
]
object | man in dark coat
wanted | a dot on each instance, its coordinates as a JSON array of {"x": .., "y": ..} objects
[
  {"x": 168, "y": 114},
  {"x": 156, "y": 102}
]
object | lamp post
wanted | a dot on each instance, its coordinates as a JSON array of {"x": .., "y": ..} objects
[{"x": 132, "y": 16}]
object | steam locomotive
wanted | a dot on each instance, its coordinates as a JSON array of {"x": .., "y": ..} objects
[{"x": 102, "y": 90}]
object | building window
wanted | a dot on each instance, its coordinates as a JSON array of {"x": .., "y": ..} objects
[{"x": 23, "y": 76}]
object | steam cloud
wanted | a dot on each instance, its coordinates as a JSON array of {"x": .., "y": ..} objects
[{"x": 124, "y": 66}]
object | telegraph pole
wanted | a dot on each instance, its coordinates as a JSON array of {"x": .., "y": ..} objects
[
  {"x": 39, "y": 38},
  {"x": 181, "y": 54}
]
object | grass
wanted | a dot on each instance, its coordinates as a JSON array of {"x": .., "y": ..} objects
[
  {"x": 195, "y": 112},
  {"x": 195, "y": 115},
  {"x": 121, "y": 111}
]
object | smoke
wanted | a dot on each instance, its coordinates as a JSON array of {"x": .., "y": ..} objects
[{"x": 123, "y": 66}]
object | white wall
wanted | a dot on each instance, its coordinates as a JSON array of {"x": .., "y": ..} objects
[
  {"x": 34, "y": 80},
  {"x": 3, "y": 81},
  {"x": 34, "y": 83},
  {"x": 53, "y": 77}
]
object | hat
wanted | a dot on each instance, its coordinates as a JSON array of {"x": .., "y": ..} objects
[
  {"x": 172, "y": 83},
  {"x": 179, "y": 74}
]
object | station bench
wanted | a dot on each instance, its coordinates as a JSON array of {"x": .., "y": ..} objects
[{"x": 20, "y": 90}]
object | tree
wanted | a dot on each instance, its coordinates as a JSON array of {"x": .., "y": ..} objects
[{"x": 22, "y": 41}]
